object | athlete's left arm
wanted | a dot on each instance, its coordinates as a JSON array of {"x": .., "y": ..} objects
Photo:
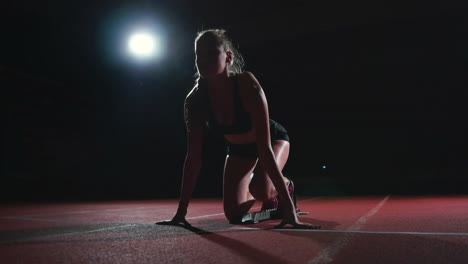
[{"x": 256, "y": 104}]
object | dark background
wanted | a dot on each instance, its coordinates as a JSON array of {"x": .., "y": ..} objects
[{"x": 374, "y": 91}]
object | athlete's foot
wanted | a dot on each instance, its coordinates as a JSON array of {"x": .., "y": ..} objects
[{"x": 270, "y": 204}]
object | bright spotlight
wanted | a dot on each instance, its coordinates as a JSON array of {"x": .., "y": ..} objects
[{"x": 142, "y": 45}]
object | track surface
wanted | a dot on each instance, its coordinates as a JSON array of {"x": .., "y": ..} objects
[{"x": 383, "y": 229}]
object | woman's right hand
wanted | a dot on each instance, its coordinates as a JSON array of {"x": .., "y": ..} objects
[
  {"x": 177, "y": 220},
  {"x": 290, "y": 217}
]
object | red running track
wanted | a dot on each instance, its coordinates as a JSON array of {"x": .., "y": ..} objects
[{"x": 385, "y": 229}]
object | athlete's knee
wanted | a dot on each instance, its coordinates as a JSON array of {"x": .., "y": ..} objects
[
  {"x": 233, "y": 219},
  {"x": 234, "y": 213}
]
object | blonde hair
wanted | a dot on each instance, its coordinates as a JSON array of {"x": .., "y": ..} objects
[{"x": 221, "y": 38}]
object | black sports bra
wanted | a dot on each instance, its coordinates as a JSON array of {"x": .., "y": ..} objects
[{"x": 242, "y": 119}]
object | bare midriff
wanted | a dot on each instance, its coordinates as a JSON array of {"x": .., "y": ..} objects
[{"x": 245, "y": 138}]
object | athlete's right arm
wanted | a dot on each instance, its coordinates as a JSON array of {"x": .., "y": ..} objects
[
  {"x": 192, "y": 164},
  {"x": 193, "y": 158}
]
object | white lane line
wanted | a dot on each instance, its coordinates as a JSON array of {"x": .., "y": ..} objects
[
  {"x": 351, "y": 231},
  {"x": 54, "y": 220},
  {"x": 77, "y": 221},
  {"x": 203, "y": 216},
  {"x": 65, "y": 234},
  {"x": 87, "y": 211},
  {"x": 88, "y": 222},
  {"x": 86, "y": 232},
  {"x": 326, "y": 256}
]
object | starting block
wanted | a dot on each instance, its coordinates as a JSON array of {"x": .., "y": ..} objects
[{"x": 259, "y": 216}]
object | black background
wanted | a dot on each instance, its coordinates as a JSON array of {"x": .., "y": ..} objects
[{"x": 374, "y": 91}]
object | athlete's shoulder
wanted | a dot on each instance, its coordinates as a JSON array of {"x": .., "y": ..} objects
[
  {"x": 193, "y": 94},
  {"x": 249, "y": 85},
  {"x": 248, "y": 78},
  {"x": 194, "y": 105},
  {"x": 251, "y": 91}
]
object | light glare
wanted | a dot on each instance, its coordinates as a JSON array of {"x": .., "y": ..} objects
[{"x": 141, "y": 44}]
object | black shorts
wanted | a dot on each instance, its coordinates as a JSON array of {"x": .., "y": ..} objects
[{"x": 277, "y": 132}]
